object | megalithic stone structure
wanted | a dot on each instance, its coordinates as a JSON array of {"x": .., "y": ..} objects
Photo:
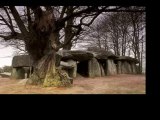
[
  {"x": 89, "y": 63},
  {"x": 94, "y": 68}
]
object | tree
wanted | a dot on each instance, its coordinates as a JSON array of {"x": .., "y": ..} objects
[
  {"x": 1, "y": 70},
  {"x": 7, "y": 68},
  {"x": 40, "y": 28},
  {"x": 138, "y": 27},
  {"x": 122, "y": 32}
]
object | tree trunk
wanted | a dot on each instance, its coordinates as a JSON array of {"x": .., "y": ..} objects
[
  {"x": 142, "y": 58},
  {"x": 42, "y": 45},
  {"x": 68, "y": 46},
  {"x": 68, "y": 29},
  {"x": 47, "y": 74},
  {"x": 45, "y": 71}
]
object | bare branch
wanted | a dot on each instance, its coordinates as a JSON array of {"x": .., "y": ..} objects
[
  {"x": 4, "y": 20},
  {"x": 62, "y": 13},
  {"x": 29, "y": 18},
  {"x": 19, "y": 21},
  {"x": 81, "y": 21},
  {"x": 13, "y": 36},
  {"x": 87, "y": 10},
  {"x": 10, "y": 20}
]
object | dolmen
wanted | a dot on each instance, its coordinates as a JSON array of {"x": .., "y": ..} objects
[
  {"x": 20, "y": 65},
  {"x": 126, "y": 65},
  {"x": 88, "y": 63}
]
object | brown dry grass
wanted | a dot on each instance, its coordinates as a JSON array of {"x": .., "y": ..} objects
[{"x": 118, "y": 84}]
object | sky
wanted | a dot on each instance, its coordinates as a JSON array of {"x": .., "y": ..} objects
[{"x": 6, "y": 55}]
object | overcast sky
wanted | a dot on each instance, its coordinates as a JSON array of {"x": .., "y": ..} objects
[{"x": 6, "y": 55}]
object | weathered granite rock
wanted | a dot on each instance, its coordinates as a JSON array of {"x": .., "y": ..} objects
[
  {"x": 137, "y": 69},
  {"x": 127, "y": 58},
  {"x": 73, "y": 71},
  {"x": 102, "y": 70},
  {"x": 65, "y": 54},
  {"x": 77, "y": 55},
  {"x": 126, "y": 68},
  {"x": 94, "y": 69},
  {"x": 65, "y": 65},
  {"x": 133, "y": 67},
  {"x": 119, "y": 67},
  {"x": 111, "y": 67},
  {"x": 123, "y": 65},
  {"x": 22, "y": 61},
  {"x": 129, "y": 68},
  {"x": 101, "y": 54},
  {"x": 126, "y": 65},
  {"x": 26, "y": 61},
  {"x": 70, "y": 66},
  {"x": 18, "y": 73}
]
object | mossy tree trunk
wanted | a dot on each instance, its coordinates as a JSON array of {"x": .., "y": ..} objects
[
  {"x": 68, "y": 29},
  {"x": 45, "y": 71},
  {"x": 46, "y": 74},
  {"x": 42, "y": 46}
]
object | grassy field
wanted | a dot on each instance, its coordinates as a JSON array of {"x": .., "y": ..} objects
[{"x": 118, "y": 84}]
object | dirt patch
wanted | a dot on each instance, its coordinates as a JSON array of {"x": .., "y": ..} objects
[{"x": 118, "y": 84}]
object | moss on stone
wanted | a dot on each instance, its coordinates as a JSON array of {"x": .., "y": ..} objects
[
  {"x": 59, "y": 79},
  {"x": 51, "y": 80},
  {"x": 35, "y": 80}
]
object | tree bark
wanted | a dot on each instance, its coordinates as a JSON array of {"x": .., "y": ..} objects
[
  {"x": 42, "y": 47},
  {"x": 68, "y": 29}
]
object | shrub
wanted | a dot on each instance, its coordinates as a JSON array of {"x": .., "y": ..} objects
[{"x": 7, "y": 68}]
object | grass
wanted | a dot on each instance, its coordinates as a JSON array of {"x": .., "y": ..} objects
[{"x": 118, "y": 84}]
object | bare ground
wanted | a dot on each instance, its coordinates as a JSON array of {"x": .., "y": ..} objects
[{"x": 118, "y": 84}]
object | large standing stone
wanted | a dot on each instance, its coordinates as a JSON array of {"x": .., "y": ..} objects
[
  {"x": 111, "y": 67},
  {"x": 77, "y": 55},
  {"x": 123, "y": 66},
  {"x": 73, "y": 71},
  {"x": 26, "y": 60},
  {"x": 129, "y": 68},
  {"x": 94, "y": 69},
  {"x": 70, "y": 66},
  {"x": 119, "y": 67},
  {"x": 127, "y": 58},
  {"x": 101, "y": 53},
  {"x": 18, "y": 73},
  {"x": 133, "y": 67},
  {"x": 22, "y": 61},
  {"x": 137, "y": 69},
  {"x": 102, "y": 70},
  {"x": 126, "y": 67}
]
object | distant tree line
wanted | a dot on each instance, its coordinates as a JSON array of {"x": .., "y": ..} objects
[
  {"x": 6, "y": 69},
  {"x": 121, "y": 32}
]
